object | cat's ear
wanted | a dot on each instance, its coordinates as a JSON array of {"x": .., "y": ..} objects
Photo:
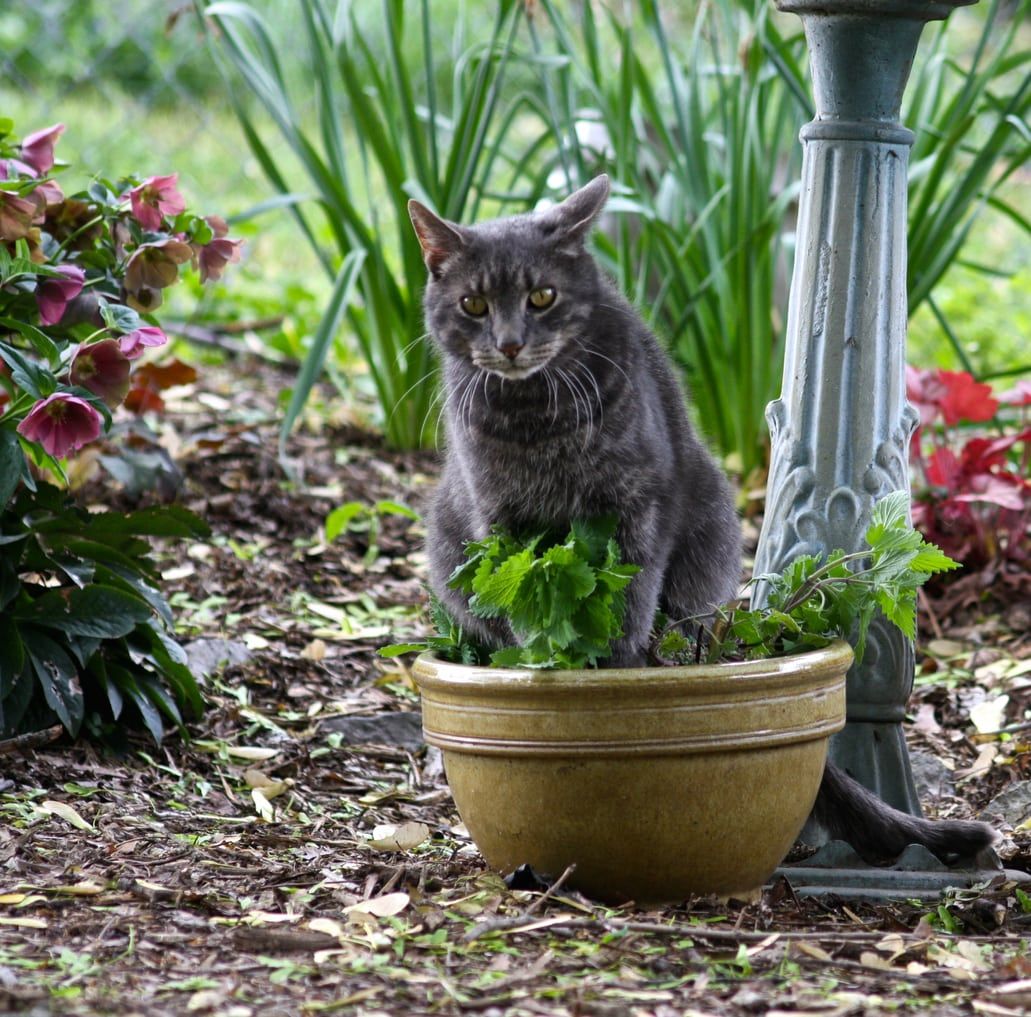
[
  {"x": 571, "y": 220},
  {"x": 439, "y": 239}
]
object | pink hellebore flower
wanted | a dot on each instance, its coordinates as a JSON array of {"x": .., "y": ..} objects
[
  {"x": 155, "y": 197},
  {"x": 16, "y": 216},
  {"x": 151, "y": 268},
  {"x": 61, "y": 423},
  {"x": 38, "y": 148},
  {"x": 54, "y": 292},
  {"x": 134, "y": 343},
  {"x": 103, "y": 369},
  {"x": 213, "y": 256}
]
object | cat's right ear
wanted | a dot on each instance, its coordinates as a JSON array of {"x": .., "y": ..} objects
[
  {"x": 439, "y": 239},
  {"x": 571, "y": 220}
]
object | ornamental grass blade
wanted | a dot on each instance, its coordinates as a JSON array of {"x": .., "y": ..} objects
[{"x": 340, "y": 298}]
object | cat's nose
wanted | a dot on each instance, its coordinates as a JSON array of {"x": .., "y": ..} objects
[{"x": 510, "y": 347}]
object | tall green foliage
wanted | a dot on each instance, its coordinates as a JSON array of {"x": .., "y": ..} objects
[
  {"x": 703, "y": 140},
  {"x": 973, "y": 134},
  {"x": 699, "y": 129},
  {"x": 386, "y": 126},
  {"x": 697, "y": 124}
]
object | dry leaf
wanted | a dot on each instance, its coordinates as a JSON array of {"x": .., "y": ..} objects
[
  {"x": 24, "y": 923},
  {"x": 269, "y": 787},
  {"x": 22, "y": 900},
  {"x": 403, "y": 837},
  {"x": 315, "y": 650},
  {"x": 989, "y": 716},
  {"x": 869, "y": 959},
  {"x": 251, "y": 752},
  {"x": 328, "y": 926},
  {"x": 262, "y": 805},
  {"x": 382, "y": 907},
  {"x": 68, "y": 814},
  {"x": 84, "y": 889},
  {"x": 812, "y": 950}
]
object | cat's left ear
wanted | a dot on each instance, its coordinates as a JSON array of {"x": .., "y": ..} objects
[
  {"x": 439, "y": 239},
  {"x": 571, "y": 221}
]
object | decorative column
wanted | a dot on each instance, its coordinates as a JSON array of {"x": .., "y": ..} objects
[{"x": 840, "y": 430}]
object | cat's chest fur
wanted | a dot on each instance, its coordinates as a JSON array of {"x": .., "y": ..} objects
[{"x": 537, "y": 460}]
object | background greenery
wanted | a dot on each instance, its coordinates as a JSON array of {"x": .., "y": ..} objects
[{"x": 139, "y": 90}]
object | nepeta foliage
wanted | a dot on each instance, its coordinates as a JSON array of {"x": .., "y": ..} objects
[
  {"x": 814, "y": 601},
  {"x": 564, "y": 601},
  {"x": 561, "y": 597}
]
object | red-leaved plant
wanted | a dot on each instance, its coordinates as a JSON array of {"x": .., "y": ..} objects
[{"x": 972, "y": 492}]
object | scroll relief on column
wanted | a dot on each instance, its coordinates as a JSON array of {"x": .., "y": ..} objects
[{"x": 840, "y": 431}]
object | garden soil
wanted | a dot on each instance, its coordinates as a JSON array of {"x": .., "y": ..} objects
[{"x": 299, "y": 852}]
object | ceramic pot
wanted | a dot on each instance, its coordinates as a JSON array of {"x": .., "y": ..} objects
[{"x": 658, "y": 783}]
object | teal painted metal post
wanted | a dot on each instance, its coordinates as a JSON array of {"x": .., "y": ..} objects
[{"x": 841, "y": 428}]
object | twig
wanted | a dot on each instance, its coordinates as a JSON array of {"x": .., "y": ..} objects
[
  {"x": 32, "y": 740},
  {"x": 925, "y": 603},
  {"x": 551, "y": 890}
]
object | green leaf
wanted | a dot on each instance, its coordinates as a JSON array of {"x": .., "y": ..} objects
[
  {"x": 339, "y": 520},
  {"x": 100, "y": 611},
  {"x": 11, "y": 464},
  {"x": 38, "y": 339},
  {"x": 27, "y": 375},
  {"x": 496, "y": 589},
  {"x": 12, "y": 656},
  {"x": 57, "y": 675}
]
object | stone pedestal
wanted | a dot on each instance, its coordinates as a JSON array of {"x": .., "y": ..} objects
[{"x": 841, "y": 428}]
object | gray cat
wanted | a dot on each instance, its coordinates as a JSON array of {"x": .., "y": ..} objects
[{"x": 561, "y": 405}]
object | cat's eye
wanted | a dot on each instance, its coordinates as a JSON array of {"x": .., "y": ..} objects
[
  {"x": 476, "y": 306},
  {"x": 542, "y": 297}
]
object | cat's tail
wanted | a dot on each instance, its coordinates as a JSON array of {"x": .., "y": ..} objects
[{"x": 850, "y": 812}]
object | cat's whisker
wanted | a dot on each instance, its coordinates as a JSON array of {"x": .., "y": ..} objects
[
  {"x": 601, "y": 356},
  {"x": 578, "y": 367},
  {"x": 411, "y": 388},
  {"x": 405, "y": 350},
  {"x": 588, "y": 402},
  {"x": 552, "y": 393}
]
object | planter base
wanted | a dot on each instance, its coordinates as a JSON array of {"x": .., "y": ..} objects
[{"x": 836, "y": 870}]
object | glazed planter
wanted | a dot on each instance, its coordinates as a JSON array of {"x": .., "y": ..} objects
[{"x": 658, "y": 783}]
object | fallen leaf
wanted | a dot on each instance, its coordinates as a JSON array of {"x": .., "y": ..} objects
[
  {"x": 262, "y": 805},
  {"x": 315, "y": 650},
  {"x": 205, "y": 999},
  {"x": 989, "y": 715},
  {"x": 22, "y": 900},
  {"x": 268, "y": 786},
  {"x": 251, "y": 752},
  {"x": 399, "y": 838},
  {"x": 382, "y": 907},
  {"x": 985, "y": 757},
  {"x": 328, "y": 926},
  {"x": 24, "y": 923},
  {"x": 258, "y": 917},
  {"x": 84, "y": 889},
  {"x": 811, "y": 950},
  {"x": 869, "y": 959},
  {"x": 68, "y": 814}
]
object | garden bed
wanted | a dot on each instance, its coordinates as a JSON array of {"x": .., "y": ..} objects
[{"x": 254, "y": 869}]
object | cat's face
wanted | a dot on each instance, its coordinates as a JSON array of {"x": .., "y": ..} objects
[{"x": 511, "y": 296}]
